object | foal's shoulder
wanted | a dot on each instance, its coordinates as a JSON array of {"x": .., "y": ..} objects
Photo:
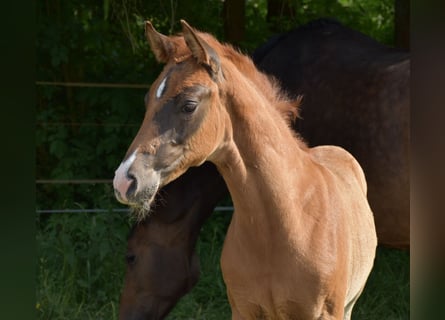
[
  {"x": 340, "y": 162},
  {"x": 328, "y": 153}
]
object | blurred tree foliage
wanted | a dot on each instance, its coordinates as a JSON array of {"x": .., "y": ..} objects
[
  {"x": 374, "y": 18},
  {"x": 83, "y": 132}
]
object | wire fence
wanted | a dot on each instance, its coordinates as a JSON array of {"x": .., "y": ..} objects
[
  {"x": 126, "y": 211},
  {"x": 90, "y": 85},
  {"x": 73, "y": 181},
  {"x": 95, "y": 210},
  {"x": 93, "y": 84}
]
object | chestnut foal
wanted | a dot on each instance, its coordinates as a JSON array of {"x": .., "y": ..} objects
[{"x": 302, "y": 223}]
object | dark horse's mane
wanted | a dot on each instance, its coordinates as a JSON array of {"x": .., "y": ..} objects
[
  {"x": 323, "y": 29},
  {"x": 319, "y": 25}
]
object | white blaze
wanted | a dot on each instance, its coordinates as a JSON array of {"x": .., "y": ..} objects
[
  {"x": 123, "y": 168},
  {"x": 161, "y": 88}
]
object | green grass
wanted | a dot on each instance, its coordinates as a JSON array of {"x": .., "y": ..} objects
[
  {"x": 81, "y": 267},
  {"x": 387, "y": 294}
]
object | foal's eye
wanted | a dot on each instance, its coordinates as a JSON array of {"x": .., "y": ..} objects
[
  {"x": 130, "y": 258},
  {"x": 189, "y": 106}
]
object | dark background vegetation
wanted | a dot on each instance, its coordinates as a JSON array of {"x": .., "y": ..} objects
[{"x": 84, "y": 129}]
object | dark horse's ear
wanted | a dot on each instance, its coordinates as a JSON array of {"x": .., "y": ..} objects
[
  {"x": 162, "y": 47},
  {"x": 201, "y": 50}
]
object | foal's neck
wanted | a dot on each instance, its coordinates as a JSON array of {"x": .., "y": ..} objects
[{"x": 263, "y": 159}]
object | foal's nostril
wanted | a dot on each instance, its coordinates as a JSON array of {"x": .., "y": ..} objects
[{"x": 133, "y": 185}]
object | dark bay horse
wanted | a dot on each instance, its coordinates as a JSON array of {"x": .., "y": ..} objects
[
  {"x": 162, "y": 265},
  {"x": 309, "y": 205},
  {"x": 142, "y": 296}
]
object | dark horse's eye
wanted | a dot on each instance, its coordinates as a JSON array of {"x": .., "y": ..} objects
[
  {"x": 130, "y": 258},
  {"x": 189, "y": 106}
]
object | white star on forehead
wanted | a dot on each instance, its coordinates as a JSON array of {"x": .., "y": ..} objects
[{"x": 161, "y": 88}]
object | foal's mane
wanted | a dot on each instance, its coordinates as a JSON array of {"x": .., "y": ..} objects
[{"x": 267, "y": 85}]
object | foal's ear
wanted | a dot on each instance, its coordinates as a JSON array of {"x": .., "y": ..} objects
[
  {"x": 162, "y": 47},
  {"x": 201, "y": 50}
]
